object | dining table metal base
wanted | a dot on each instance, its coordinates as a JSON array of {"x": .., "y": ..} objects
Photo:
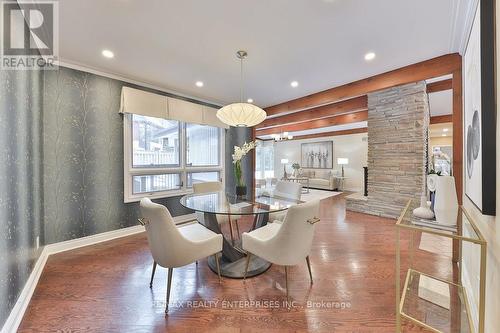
[
  {"x": 236, "y": 269},
  {"x": 233, "y": 259}
]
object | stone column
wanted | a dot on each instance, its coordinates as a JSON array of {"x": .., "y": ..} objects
[{"x": 398, "y": 122}]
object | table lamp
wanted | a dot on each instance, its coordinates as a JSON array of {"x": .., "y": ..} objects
[
  {"x": 284, "y": 161},
  {"x": 342, "y": 161}
]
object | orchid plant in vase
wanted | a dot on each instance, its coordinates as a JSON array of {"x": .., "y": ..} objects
[{"x": 239, "y": 153}]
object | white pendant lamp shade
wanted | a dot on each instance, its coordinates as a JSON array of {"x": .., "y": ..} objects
[{"x": 241, "y": 115}]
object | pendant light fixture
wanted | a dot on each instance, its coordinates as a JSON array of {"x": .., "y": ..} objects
[{"x": 241, "y": 114}]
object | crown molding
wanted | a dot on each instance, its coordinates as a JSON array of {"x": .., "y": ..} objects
[{"x": 115, "y": 76}]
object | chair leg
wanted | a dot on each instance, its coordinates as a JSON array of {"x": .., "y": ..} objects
[
  {"x": 169, "y": 284},
  {"x": 286, "y": 280},
  {"x": 309, "y": 268},
  {"x": 216, "y": 256},
  {"x": 248, "y": 263},
  {"x": 152, "y": 275},
  {"x": 230, "y": 222},
  {"x": 237, "y": 229}
]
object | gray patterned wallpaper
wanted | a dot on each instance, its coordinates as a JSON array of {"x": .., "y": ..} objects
[
  {"x": 83, "y": 157},
  {"x": 21, "y": 197}
]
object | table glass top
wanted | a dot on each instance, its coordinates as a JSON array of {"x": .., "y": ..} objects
[{"x": 224, "y": 204}]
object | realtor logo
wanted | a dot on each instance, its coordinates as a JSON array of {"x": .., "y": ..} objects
[{"x": 29, "y": 35}]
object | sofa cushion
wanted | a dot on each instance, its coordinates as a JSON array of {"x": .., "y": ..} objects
[
  {"x": 318, "y": 181},
  {"x": 323, "y": 174},
  {"x": 308, "y": 173}
]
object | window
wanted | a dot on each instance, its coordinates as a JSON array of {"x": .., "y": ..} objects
[
  {"x": 155, "y": 142},
  {"x": 156, "y": 183},
  {"x": 264, "y": 160},
  {"x": 202, "y": 145},
  {"x": 201, "y": 177},
  {"x": 166, "y": 157}
]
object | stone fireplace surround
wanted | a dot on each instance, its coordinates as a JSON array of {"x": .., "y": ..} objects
[{"x": 398, "y": 122}]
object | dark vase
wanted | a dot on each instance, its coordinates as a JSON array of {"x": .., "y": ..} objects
[{"x": 241, "y": 191}]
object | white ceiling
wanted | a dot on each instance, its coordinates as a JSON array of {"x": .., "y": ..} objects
[
  {"x": 320, "y": 43},
  {"x": 441, "y": 103}
]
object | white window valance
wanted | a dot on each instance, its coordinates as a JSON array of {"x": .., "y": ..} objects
[{"x": 154, "y": 105}]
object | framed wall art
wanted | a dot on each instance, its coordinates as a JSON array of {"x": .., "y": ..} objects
[{"x": 480, "y": 110}]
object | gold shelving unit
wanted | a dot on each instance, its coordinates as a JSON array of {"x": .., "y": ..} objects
[{"x": 455, "y": 315}]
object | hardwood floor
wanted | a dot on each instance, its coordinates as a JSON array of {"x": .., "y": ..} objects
[{"x": 105, "y": 288}]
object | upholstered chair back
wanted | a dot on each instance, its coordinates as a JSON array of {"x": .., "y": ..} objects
[
  {"x": 168, "y": 247},
  {"x": 207, "y": 187},
  {"x": 294, "y": 239}
]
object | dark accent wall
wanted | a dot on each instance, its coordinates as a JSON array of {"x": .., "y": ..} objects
[
  {"x": 236, "y": 136},
  {"x": 21, "y": 197}
]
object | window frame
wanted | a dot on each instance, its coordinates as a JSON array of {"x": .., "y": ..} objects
[{"x": 129, "y": 171}]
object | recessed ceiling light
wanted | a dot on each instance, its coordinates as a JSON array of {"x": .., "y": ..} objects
[
  {"x": 249, "y": 100},
  {"x": 443, "y": 135},
  {"x": 369, "y": 56},
  {"x": 108, "y": 54},
  {"x": 445, "y": 130},
  {"x": 294, "y": 84},
  {"x": 199, "y": 84}
]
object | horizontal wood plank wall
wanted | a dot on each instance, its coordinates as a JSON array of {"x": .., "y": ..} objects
[{"x": 436, "y": 67}]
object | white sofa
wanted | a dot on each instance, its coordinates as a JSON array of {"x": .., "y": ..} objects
[{"x": 324, "y": 179}]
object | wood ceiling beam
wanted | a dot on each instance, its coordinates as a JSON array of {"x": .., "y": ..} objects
[
  {"x": 351, "y": 105},
  {"x": 318, "y": 123},
  {"x": 442, "y": 119},
  {"x": 332, "y": 133},
  {"x": 434, "y": 120},
  {"x": 439, "y": 86},
  {"x": 424, "y": 70}
]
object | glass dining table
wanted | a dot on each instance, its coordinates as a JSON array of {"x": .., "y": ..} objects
[{"x": 233, "y": 259}]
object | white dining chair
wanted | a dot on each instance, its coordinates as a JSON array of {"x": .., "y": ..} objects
[
  {"x": 173, "y": 246},
  {"x": 288, "y": 190},
  {"x": 287, "y": 243},
  {"x": 207, "y": 187}
]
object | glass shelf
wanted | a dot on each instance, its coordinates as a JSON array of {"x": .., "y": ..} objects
[
  {"x": 407, "y": 220},
  {"x": 435, "y": 304}
]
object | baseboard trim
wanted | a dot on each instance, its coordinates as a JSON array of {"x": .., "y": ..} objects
[
  {"x": 16, "y": 315},
  {"x": 17, "y": 312},
  {"x": 91, "y": 240}
]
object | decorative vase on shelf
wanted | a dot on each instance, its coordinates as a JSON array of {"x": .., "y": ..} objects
[
  {"x": 446, "y": 202},
  {"x": 424, "y": 210}
]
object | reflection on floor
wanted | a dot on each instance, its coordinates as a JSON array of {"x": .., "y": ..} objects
[{"x": 105, "y": 288}]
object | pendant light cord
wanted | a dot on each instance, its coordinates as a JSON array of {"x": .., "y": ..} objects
[{"x": 241, "y": 80}]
